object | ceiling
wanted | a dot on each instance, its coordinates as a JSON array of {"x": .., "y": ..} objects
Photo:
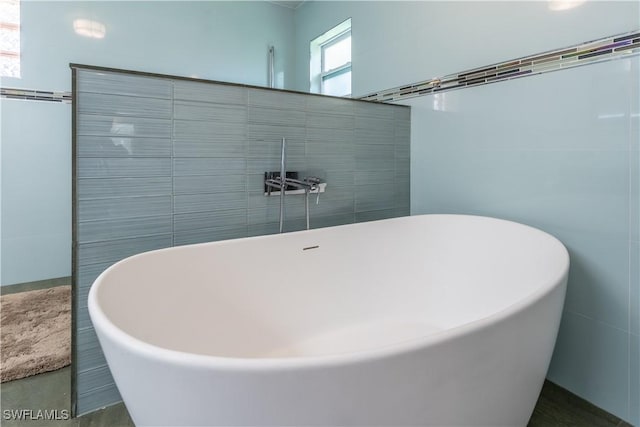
[{"x": 291, "y": 4}]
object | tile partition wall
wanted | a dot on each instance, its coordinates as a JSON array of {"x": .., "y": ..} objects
[{"x": 162, "y": 161}]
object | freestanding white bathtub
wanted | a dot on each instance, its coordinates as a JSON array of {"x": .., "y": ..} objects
[{"x": 440, "y": 320}]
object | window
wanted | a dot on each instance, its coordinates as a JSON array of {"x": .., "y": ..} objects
[
  {"x": 10, "y": 38},
  {"x": 330, "y": 63}
]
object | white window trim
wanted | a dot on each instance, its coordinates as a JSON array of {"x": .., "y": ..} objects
[
  {"x": 334, "y": 72},
  {"x": 316, "y": 55},
  {"x": 7, "y": 54}
]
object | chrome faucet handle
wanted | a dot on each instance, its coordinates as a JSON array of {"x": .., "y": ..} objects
[
  {"x": 313, "y": 180},
  {"x": 315, "y": 185}
]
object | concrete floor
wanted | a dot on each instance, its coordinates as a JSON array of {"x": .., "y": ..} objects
[
  {"x": 556, "y": 407},
  {"x": 51, "y": 391}
]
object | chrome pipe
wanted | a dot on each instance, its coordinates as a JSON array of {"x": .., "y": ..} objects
[
  {"x": 283, "y": 182},
  {"x": 306, "y": 205},
  {"x": 272, "y": 78}
]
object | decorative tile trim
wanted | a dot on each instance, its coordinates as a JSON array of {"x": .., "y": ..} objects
[
  {"x": 35, "y": 95},
  {"x": 606, "y": 49}
]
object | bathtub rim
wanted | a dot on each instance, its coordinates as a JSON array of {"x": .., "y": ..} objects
[{"x": 194, "y": 360}]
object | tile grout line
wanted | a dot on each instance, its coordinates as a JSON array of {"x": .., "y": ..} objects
[{"x": 584, "y": 316}]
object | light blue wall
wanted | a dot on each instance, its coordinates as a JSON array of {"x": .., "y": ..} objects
[
  {"x": 218, "y": 40},
  {"x": 36, "y": 190},
  {"x": 555, "y": 151},
  {"x": 400, "y": 42},
  {"x": 212, "y": 40},
  {"x": 558, "y": 151}
]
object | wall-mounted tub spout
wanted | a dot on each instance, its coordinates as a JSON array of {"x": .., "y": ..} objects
[
  {"x": 272, "y": 74},
  {"x": 283, "y": 183},
  {"x": 309, "y": 184}
]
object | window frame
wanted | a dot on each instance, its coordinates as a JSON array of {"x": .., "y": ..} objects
[
  {"x": 317, "y": 48},
  {"x": 9, "y": 55},
  {"x": 339, "y": 70}
]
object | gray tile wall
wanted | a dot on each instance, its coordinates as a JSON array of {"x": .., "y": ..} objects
[{"x": 162, "y": 162}]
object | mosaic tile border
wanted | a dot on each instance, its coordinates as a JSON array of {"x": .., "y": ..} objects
[
  {"x": 600, "y": 50},
  {"x": 35, "y": 95}
]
